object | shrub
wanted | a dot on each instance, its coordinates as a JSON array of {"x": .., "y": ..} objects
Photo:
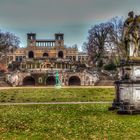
[{"x": 110, "y": 66}]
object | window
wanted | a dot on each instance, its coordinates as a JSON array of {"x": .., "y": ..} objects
[
  {"x": 40, "y": 80},
  {"x": 20, "y": 58},
  {"x": 74, "y": 58},
  {"x": 45, "y": 54},
  {"x": 60, "y": 54},
  {"x": 31, "y": 54},
  {"x": 16, "y": 58}
]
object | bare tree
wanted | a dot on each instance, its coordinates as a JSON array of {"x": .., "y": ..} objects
[
  {"x": 116, "y": 39},
  {"x": 105, "y": 40},
  {"x": 8, "y": 43},
  {"x": 97, "y": 40}
]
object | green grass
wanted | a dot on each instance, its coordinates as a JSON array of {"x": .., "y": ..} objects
[
  {"x": 72, "y": 122},
  {"x": 56, "y": 95}
]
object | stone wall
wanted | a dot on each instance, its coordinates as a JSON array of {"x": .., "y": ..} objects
[{"x": 42, "y": 78}]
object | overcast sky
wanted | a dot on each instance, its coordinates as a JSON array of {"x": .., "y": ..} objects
[{"x": 71, "y": 17}]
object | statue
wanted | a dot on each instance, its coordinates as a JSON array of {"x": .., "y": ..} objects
[
  {"x": 128, "y": 86},
  {"x": 13, "y": 79},
  {"x": 57, "y": 80},
  {"x": 131, "y": 35}
]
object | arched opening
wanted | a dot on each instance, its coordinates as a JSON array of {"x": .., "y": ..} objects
[
  {"x": 50, "y": 81},
  {"x": 60, "y": 54},
  {"x": 31, "y": 54},
  {"x": 29, "y": 81},
  {"x": 74, "y": 81},
  {"x": 45, "y": 54}
]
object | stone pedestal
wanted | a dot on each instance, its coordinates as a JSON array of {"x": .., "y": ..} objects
[{"x": 127, "y": 98}]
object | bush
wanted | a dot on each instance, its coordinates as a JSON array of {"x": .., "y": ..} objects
[{"x": 110, "y": 66}]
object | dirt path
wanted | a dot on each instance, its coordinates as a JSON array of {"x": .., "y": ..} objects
[
  {"x": 37, "y": 87},
  {"x": 54, "y": 103}
]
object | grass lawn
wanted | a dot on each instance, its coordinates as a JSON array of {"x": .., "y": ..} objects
[
  {"x": 72, "y": 122},
  {"x": 56, "y": 95}
]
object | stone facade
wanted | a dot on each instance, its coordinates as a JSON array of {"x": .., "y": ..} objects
[
  {"x": 37, "y": 48},
  {"x": 40, "y": 60},
  {"x": 48, "y": 79}
]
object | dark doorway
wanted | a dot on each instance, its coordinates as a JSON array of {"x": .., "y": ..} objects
[
  {"x": 74, "y": 81},
  {"x": 45, "y": 55},
  {"x": 50, "y": 81},
  {"x": 31, "y": 54},
  {"x": 29, "y": 81},
  {"x": 60, "y": 54}
]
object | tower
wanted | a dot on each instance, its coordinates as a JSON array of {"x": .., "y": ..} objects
[
  {"x": 59, "y": 39},
  {"x": 31, "y": 39}
]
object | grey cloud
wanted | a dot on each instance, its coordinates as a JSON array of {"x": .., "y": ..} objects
[{"x": 68, "y": 16}]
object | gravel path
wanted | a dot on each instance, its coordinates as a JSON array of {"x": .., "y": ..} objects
[
  {"x": 46, "y": 87},
  {"x": 55, "y": 103}
]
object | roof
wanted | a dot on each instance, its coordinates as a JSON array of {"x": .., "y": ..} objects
[{"x": 45, "y": 40}]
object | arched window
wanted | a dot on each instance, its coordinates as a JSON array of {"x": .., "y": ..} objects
[
  {"x": 60, "y": 54},
  {"x": 45, "y": 54},
  {"x": 30, "y": 54},
  {"x": 40, "y": 80}
]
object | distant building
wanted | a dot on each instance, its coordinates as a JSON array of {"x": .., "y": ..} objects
[{"x": 40, "y": 60}]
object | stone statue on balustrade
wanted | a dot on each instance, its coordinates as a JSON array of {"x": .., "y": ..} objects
[{"x": 131, "y": 35}]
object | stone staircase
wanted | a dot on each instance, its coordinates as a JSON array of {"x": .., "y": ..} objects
[
  {"x": 105, "y": 79},
  {"x": 3, "y": 83},
  {"x": 105, "y": 83}
]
